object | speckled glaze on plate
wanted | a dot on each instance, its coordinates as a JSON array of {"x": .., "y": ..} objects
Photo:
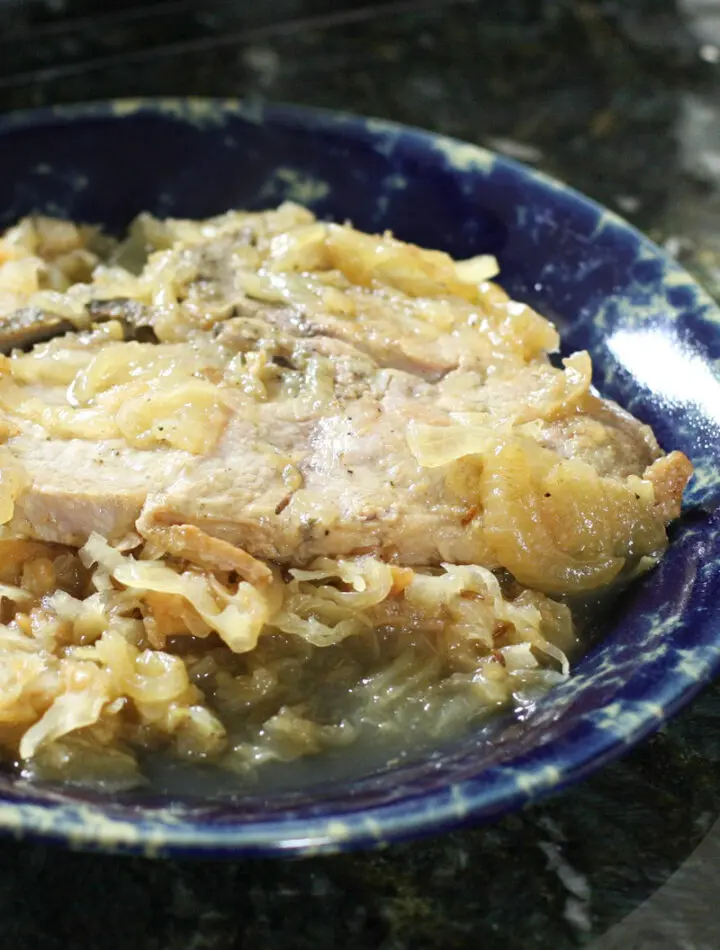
[{"x": 655, "y": 339}]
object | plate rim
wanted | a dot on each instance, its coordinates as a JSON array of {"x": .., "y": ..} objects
[{"x": 167, "y": 832}]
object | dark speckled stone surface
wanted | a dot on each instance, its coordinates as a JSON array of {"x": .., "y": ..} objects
[{"x": 620, "y": 99}]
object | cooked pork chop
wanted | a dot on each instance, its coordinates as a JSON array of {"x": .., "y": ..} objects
[
  {"x": 357, "y": 489},
  {"x": 292, "y": 415},
  {"x": 286, "y": 480}
]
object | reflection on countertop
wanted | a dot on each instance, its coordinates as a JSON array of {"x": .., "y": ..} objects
[{"x": 681, "y": 913}]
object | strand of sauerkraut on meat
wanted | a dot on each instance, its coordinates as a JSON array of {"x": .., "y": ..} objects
[{"x": 270, "y": 484}]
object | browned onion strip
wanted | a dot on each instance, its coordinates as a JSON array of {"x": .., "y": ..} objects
[
  {"x": 189, "y": 542},
  {"x": 669, "y": 476},
  {"x": 520, "y": 538}
]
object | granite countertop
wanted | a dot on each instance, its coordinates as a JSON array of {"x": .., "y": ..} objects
[{"x": 620, "y": 98}]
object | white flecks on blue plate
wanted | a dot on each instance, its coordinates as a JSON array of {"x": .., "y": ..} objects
[
  {"x": 289, "y": 184},
  {"x": 612, "y": 292}
]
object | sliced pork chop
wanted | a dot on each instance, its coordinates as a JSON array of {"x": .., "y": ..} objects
[
  {"x": 289, "y": 477},
  {"x": 354, "y": 487},
  {"x": 78, "y": 486},
  {"x": 282, "y": 482},
  {"x": 323, "y": 469},
  {"x": 320, "y": 465},
  {"x": 221, "y": 277}
]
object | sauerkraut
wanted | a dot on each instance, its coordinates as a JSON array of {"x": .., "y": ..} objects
[{"x": 166, "y": 635}]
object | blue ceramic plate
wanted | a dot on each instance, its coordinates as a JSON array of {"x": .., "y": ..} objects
[{"x": 655, "y": 339}]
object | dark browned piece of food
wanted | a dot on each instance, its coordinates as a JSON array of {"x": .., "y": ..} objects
[{"x": 23, "y": 328}]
